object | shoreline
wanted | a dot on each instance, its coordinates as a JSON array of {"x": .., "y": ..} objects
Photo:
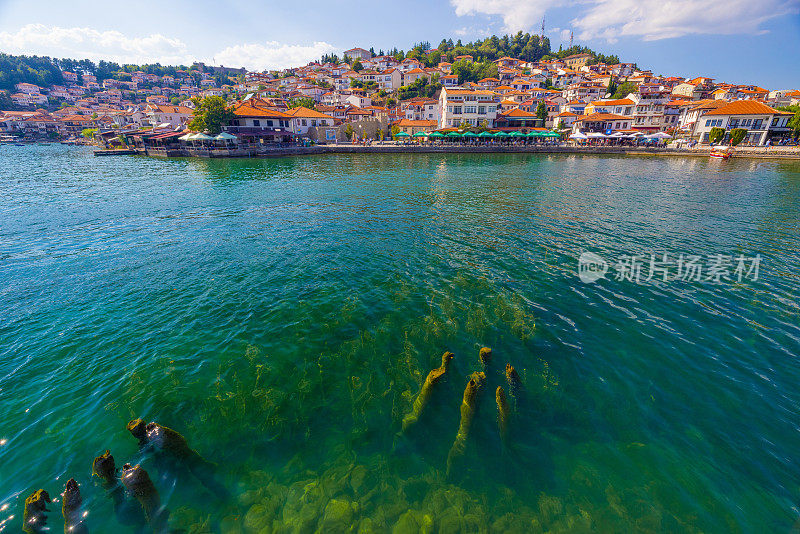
[{"x": 751, "y": 153}]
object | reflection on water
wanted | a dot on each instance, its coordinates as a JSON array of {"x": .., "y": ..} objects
[{"x": 283, "y": 315}]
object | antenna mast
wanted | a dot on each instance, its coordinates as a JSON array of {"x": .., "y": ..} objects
[{"x": 541, "y": 37}]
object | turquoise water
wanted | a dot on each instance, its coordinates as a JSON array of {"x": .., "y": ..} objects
[{"x": 282, "y": 315}]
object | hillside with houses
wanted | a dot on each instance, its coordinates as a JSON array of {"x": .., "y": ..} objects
[{"x": 375, "y": 95}]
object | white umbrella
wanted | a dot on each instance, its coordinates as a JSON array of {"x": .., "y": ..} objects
[
  {"x": 578, "y": 135},
  {"x": 201, "y": 137},
  {"x": 596, "y": 135},
  {"x": 225, "y": 136},
  {"x": 661, "y": 135},
  {"x": 186, "y": 137}
]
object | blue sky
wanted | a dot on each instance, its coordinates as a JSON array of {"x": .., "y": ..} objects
[{"x": 738, "y": 41}]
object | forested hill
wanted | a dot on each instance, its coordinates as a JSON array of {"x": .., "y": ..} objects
[
  {"x": 524, "y": 46},
  {"x": 45, "y": 71}
]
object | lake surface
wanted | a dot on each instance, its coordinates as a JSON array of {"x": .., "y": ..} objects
[{"x": 283, "y": 314}]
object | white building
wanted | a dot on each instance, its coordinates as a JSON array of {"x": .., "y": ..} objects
[
  {"x": 470, "y": 106},
  {"x": 760, "y": 121},
  {"x": 358, "y": 53}
]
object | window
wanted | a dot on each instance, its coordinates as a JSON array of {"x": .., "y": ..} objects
[
  {"x": 456, "y": 110},
  {"x": 303, "y": 122},
  {"x": 757, "y": 124},
  {"x": 270, "y": 123},
  {"x": 469, "y": 109},
  {"x": 256, "y": 122},
  {"x": 491, "y": 109},
  {"x": 481, "y": 109},
  {"x": 314, "y": 122}
]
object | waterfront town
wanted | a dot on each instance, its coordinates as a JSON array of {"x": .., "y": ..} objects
[{"x": 369, "y": 96}]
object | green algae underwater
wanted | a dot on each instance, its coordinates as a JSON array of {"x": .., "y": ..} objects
[{"x": 283, "y": 315}]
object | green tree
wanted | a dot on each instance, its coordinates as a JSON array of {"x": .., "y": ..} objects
[
  {"x": 395, "y": 130},
  {"x": 304, "y": 102},
  {"x": 348, "y": 131},
  {"x": 357, "y": 66},
  {"x": 88, "y": 133},
  {"x": 794, "y": 122},
  {"x": 612, "y": 87},
  {"x": 210, "y": 113},
  {"x": 716, "y": 134},
  {"x": 737, "y": 136},
  {"x": 624, "y": 89},
  {"x": 541, "y": 111}
]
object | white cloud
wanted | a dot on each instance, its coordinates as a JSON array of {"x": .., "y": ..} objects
[
  {"x": 645, "y": 19},
  {"x": 88, "y": 43},
  {"x": 658, "y": 19},
  {"x": 517, "y": 14},
  {"x": 271, "y": 55}
]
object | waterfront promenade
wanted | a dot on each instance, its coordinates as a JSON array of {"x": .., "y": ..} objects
[{"x": 392, "y": 148}]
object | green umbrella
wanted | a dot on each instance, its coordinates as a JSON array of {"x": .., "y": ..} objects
[
  {"x": 402, "y": 134},
  {"x": 453, "y": 134},
  {"x": 420, "y": 134},
  {"x": 534, "y": 133},
  {"x": 501, "y": 134},
  {"x": 436, "y": 134},
  {"x": 552, "y": 134},
  {"x": 470, "y": 134},
  {"x": 516, "y": 134},
  {"x": 485, "y": 134}
]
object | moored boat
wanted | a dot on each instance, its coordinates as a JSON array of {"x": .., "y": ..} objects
[{"x": 721, "y": 152}]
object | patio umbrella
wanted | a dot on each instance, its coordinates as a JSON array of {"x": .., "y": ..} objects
[
  {"x": 578, "y": 135},
  {"x": 402, "y": 134},
  {"x": 501, "y": 134},
  {"x": 186, "y": 137},
  {"x": 201, "y": 137},
  {"x": 436, "y": 134},
  {"x": 661, "y": 135},
  {"x": 453, "y": 134},
  {"x": 516, "y": 134},
  {"x": 420, "y": 134},
  {"x": 485, "y": 134},
  {"x": 470, "y": 134},
  {"x": 225, "y": 136},
  {"x": 551, "y": 134},
  {"x": 596, "y": 135}
]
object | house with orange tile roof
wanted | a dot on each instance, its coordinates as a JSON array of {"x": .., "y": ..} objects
[
  {"x": 577, "y": 60},
  {"x": 517, "y": 118},
  {"x": 421, "y": 109},
  {"x": 760, "y": 120},
  {"x": 413, "y": 75},
  {"x": 601, "y": 122},
  {"x": 473, "y": 107},
  {"x": 449, "y": 80},
  {"x": 357, "y": 53},
  {"x": 622, "y": 106},
  {"x": 302, "y": 119},
  {"x": 174, "y": 116},
  {"x": 412, "y": 126},
  {"x": 566, "y": 118},
  {"x": 256, "y": 119}
]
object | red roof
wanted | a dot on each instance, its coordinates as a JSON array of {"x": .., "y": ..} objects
[{"x": 744, "y": 107}]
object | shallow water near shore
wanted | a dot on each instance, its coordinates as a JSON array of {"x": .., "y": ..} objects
[{"x": 282, "y": 314}]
